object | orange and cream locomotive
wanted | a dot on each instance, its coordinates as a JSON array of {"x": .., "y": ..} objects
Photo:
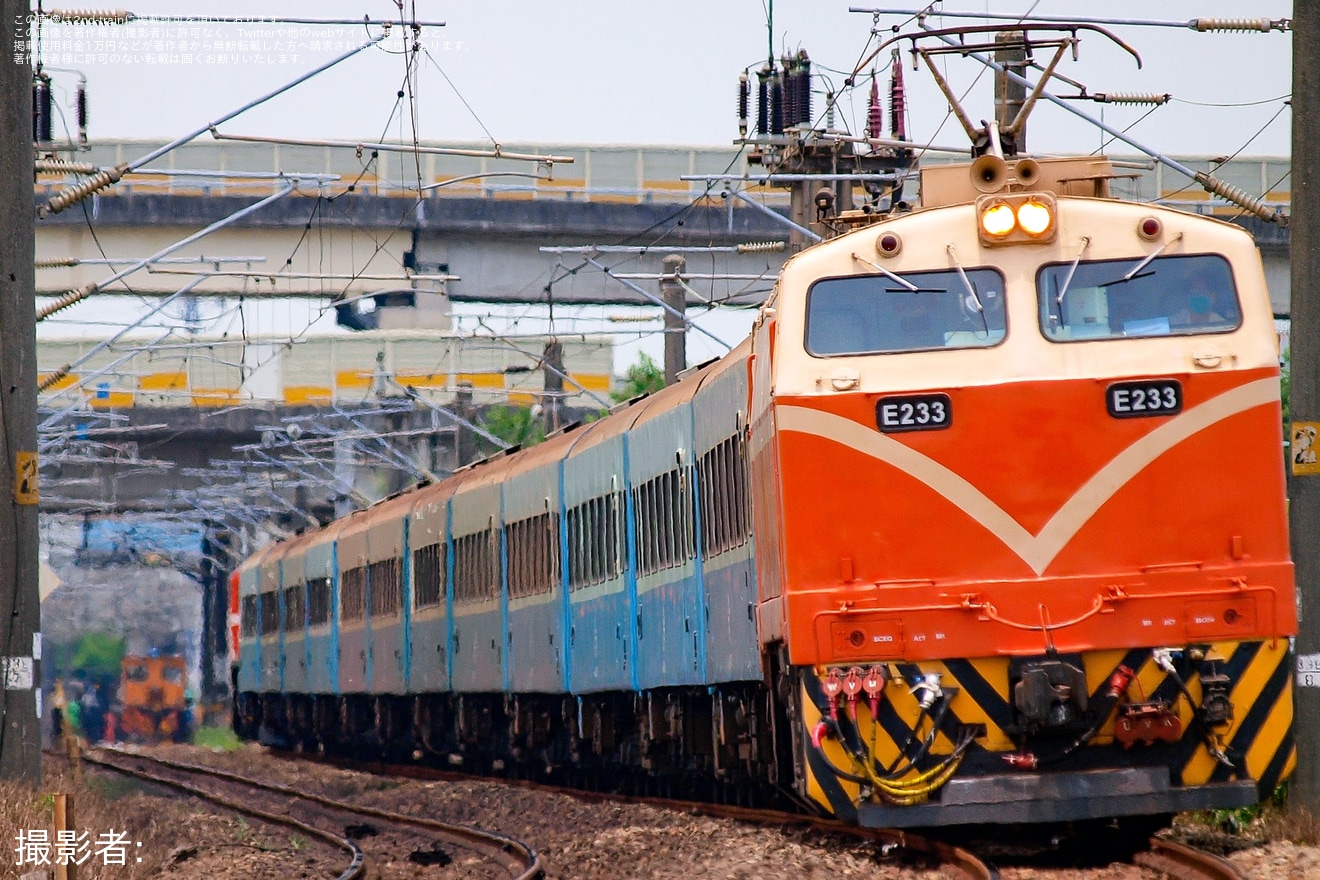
[{"x": 1018, "y": 456}]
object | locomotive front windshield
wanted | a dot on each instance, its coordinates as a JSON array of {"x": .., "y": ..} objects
[
  {"x": 1115, "y": 299},
  {"x": 909, "y": 311}
]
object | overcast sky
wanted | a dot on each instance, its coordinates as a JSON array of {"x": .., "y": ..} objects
[{"x": 632, "y": 72}]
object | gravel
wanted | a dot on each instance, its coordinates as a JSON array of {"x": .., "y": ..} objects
[{"x": 587, "y": 839}]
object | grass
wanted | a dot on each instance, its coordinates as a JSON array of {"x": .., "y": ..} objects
[{"x": 219, "y": 738}]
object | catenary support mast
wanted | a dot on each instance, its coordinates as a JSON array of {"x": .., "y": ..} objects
[
  {"x": 1304, "y": 489},
  {"x": 20, "y": 610}
]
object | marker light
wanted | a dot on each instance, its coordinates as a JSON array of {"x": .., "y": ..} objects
[
  {"x": 998, "y": 220},
  {"x": 1034, "y": 218}
]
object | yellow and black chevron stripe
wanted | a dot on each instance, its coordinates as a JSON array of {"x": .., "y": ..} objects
[{"x": 1259, "y": 739}]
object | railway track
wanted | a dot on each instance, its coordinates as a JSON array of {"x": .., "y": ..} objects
[
  {"x": 956, "y": 863},
  {"x": 1181, "y": 862},
  {"x": 1164, "y": 858},
  {"x": 513, "y": 858}
]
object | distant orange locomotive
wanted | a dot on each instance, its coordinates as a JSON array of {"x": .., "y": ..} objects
[{"x": 153, "y": 691}]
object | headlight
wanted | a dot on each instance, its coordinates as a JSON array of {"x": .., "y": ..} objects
[
  {"x": 1034, "y": 218},
  {"x": 997, "y": 220}
]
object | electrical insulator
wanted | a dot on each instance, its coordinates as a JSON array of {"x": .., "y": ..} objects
[
  {"x": 54, "y": 378},
  {"x": 81, "y": 100},
  {"x": 67, "y": 299},
  {"x": 776, "y": 104},
  {"x": 763, "y": 101},
  {"x": 744, "y": 93},
  {"x": 897, "y": 101},
  {"x": 1129, "y": 98},
  {"x": 804, "y": 88},
  {"x": 41, "y": 109},
  {"x": 71, "y": 195},
  {"x": 1262, "y": 25},
  {"x": 63, "y": 166},
  {"x": 829, "y": 111},
  {"x": 875, "y": 114},
  {"x": 762, "y": 247},
  {"x": 789, "y": 78},
  {"x": 1241, "y": 198}
]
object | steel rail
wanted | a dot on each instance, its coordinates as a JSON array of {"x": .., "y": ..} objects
[
  {"x": 1182, "y": 862},
  {"x": 957, "y": 863},
  {"x": 511, "y": 853},
  {"x": 357, "y": 867}
]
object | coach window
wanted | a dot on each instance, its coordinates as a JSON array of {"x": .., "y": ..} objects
[
  {"x": 270, "y": 613},
  {"x": 1118, "y": 299},
  {"x": 429, "y": 575},
  {"x": 248, "y": 616},
  {"x": 386, "y": 587},
  {"x": 353, "y": 594},
  {"x": 295, "y": 609},
  {"x": 318, "y": 601},
  {"x": 911, "y": 311}
]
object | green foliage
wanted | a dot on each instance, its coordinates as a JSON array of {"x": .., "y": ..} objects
[
  {"x": 99, "y": 654},
  {"x": 514, "y": 425},
  {"x": 220, "y": 739},
  {"x": 1235, "y": 821},
  {"x": 643, "y": 377}
]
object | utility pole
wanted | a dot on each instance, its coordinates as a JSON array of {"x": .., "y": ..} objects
[
  {"x": 1303, "y": 487},
  {"x": 552, "y": 397},
  {"x": 1011, "y": 94},
  {"x": 20, "y": 605},
  {"x": 675, "y": 324}
]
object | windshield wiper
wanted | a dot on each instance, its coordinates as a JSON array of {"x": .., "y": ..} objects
[
  {"x": 967, "y": 283},
  {"x": 897, "y": 279},
  {"x": 1133, "y": 272},
  {"x": 1058, "y": 300}
]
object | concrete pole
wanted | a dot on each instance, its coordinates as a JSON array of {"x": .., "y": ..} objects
[
  {"x": 20, "y": 607},
  {"x": 552, "y": 399},
  {"x": 675, "y": 324},
  {"x": 1304, "y": 490}
]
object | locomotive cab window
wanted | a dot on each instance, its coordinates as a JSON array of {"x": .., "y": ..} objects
[
  {"x": 1116, "y": 299},
  {"x": 911, "y": 311}
]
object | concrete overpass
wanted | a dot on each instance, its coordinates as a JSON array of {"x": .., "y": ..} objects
[{"x": 486, "y": 233}]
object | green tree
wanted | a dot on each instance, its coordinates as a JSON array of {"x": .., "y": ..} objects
[
  {"x": 514, "y": 425},
  {"x": 643, "y": 377},
  {"x": 99, "y": 654}
]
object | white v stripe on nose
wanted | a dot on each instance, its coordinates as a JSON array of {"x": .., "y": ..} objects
[{"x": 1039, "y": 550}]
